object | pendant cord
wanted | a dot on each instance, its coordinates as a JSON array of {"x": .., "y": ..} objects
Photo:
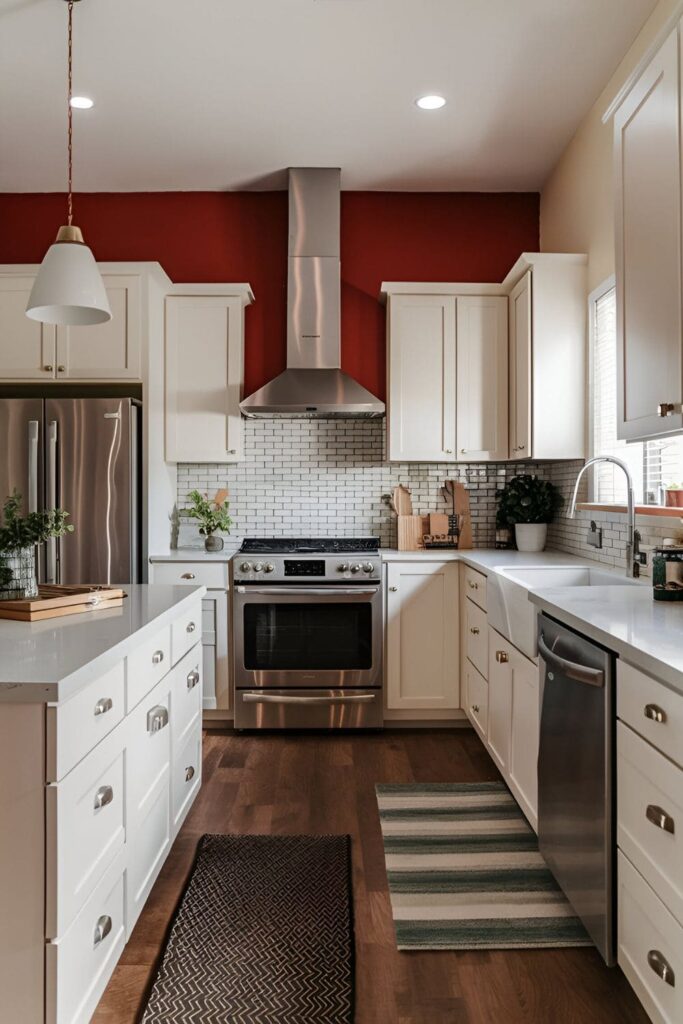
[{"x": 70, "y": 114}]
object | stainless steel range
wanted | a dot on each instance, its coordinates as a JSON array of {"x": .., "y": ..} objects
[{"x": 308, "y": 634}]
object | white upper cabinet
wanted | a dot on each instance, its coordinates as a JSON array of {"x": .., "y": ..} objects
[
  {"x": 33, "y": 351},
  {"x": 422, "y": 369},
  {"x": 482, "y": 378},
  {"x": 548, "y": 314},
  {"x": 109, "y": 351},
  {"x": 647, "y": 148},
  {"x": 422, "y": 635},
  {"x": 447, "y": 365},
  {"x": 27, "y": 347},
  {"x": 204, "y": 355}
]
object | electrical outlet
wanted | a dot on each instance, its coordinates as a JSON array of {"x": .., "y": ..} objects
[
  {"x": 594, "y": 535},
  {"x": 645, "y": 559}
]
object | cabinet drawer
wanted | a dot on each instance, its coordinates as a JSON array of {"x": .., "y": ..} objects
[
  {"x": 147, "y": 664},
  {"x": 192, "y": 574},
  {"x": 74, "y": 728},
  {"x": 475, "y": 586},
  {"x": 79, "y": 965},
  {"x": 650, "y": 816},
  {"x": 476, "y": 638},
  {"x": 649, "y": 936},
  {"x": 652, "y": 709},
  {"x": 186, "y": 631},
  {"x": 187, "y": 774},
  {"x": 186, "y": 693},
  {"x": 477, "y": 700},
  {"x": 85, "y": 819}
]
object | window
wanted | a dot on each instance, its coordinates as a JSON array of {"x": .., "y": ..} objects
[{"x": 653, "y": 464}]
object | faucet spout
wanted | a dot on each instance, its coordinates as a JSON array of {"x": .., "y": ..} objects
[{"x": 632, "y": 565}]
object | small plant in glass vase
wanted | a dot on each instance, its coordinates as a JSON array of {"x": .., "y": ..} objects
[
  {"x": 527, "y": 504},
  {"x": 19, "y": 535},
  {"x": 211, "y": 514}
]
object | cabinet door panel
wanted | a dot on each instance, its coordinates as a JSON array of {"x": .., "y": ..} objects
[
  {"x": 520, "y": 369},
  {"x": 525, "y": 728},
  {"x": 422, "y": 378},
  {"x": 110, "y": 351},
  {"x": 203, "y": 378},
  {"x": 482, "y": 378},
  {"x": 648, "y": 243},
  {"x": 422, "y": 635},
  {"x": 27, "y": 347}
]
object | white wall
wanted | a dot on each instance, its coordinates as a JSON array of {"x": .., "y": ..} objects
[{"x": 577, "y": 201}]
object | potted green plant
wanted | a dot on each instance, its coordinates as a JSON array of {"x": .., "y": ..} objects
[
  {"x": 212, "y": 515},
  {"x": 19, "y": 536},
  {"x": 674, "y": 495},
  {"x": 528, "y": 504}
]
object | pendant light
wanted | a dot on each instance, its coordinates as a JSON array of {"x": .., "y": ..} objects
[{"x": 69, "y": 287}]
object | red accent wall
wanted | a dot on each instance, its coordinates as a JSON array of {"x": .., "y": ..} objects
[{"x": 242, "y": 236}]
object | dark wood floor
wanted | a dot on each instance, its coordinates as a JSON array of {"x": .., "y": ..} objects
[{"x": 298, "y": 783}]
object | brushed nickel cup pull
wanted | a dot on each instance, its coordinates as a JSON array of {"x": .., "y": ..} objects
[
  {"x": 475, "y": 708},
  {"x": 103, "y": 705},
  {"x": 660, "y": 818},
  {"x": 654, "y": 713},
  {"x": 661, "y": 966},
  {"x": 502, "y": 657},
  {"x": 157, "y": 718},
  {"x": 157, "y": 657},
  {"x": 103, "y": 796},
  {"x": 189, "y": 773},
  {"x": 190, "y": 627},
  {"x": 187, "y": 576},
  {"x": 192, "y": 679},
  {"x": 474, "y": 630},
  {"x": 102, "y": 929}
]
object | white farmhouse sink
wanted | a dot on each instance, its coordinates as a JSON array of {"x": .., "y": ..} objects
[{"x": 512, "y": 614}]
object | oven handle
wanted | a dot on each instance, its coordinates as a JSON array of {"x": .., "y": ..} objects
[
  {"x": 269, "y": 698},
  {"x": 305, "y": 591}
]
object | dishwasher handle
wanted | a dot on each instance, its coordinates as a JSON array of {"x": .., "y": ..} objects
[{"x": 579, "y": 673}]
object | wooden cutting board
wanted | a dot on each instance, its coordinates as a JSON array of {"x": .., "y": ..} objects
[
  {"x": 54, "y": 601},
  {"x": 461, "y": 506},
  {"x": 403, "y": 503}
]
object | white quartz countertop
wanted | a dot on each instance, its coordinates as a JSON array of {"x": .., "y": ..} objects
[
  {"x": 195, "y": 555},
  {"x": 49, "y": 661},
  {"x": 486, "y": 559},
  {"x": 646, "y": 633}
]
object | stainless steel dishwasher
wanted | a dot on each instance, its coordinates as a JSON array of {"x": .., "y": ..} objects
[{"x": 576, "y": 776}]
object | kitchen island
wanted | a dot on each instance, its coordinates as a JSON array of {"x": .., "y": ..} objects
[{"x": 100, "y": 761}]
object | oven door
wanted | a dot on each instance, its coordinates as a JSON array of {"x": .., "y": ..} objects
[{"x": 307, "y": 637}]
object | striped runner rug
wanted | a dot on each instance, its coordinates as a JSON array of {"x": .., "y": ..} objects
[{"x": 465, "y": 871}]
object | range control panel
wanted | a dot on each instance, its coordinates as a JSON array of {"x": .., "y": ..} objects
[{"x": 284, "y": 568}]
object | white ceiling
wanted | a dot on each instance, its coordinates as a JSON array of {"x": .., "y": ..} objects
[{"x": 225, "y": 94}]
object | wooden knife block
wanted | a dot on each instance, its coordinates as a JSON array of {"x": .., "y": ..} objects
[{"x": 410, "y": 532}]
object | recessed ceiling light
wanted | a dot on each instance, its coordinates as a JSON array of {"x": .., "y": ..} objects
[
  {"x": 82, "y": 102},
  {"x": 430, "y": 102}
]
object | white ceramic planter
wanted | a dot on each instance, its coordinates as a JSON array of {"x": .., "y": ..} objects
[{"x": 531, "y": 536}]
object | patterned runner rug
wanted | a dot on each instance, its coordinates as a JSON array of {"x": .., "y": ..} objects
[
  {"x": 465, "y": 872},
  {"x": 263, "y": 934}
]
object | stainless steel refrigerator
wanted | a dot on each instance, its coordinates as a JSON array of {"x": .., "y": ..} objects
[{"x": 80, "y": 454}]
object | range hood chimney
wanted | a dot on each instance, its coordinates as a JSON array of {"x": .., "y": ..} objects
[{"x": 313, "y": 384}]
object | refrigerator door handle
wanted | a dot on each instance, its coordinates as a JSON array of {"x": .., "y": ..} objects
[
  {"x": 52, "y": 497},
  {"x": 33, "y": 435}
]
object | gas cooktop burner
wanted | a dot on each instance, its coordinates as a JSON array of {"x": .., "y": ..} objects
[{"x": 308, "y": 546}]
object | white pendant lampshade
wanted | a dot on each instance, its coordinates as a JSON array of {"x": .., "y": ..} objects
[{"x": 69, "y": 287}]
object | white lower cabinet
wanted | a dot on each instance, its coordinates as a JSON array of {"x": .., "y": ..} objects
[{"x": 422, "y": 635}]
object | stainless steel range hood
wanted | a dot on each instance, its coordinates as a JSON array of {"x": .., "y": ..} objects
[{"x": 313, "y": 385}]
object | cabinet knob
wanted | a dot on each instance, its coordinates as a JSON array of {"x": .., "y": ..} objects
[
  {"x": 502, "y": 657},
  {"x": 61, "y": 369},
  {"x": 665, "y": 409},
  {"x": 189, "y": 773},
  {"x": 472, "y": 585},
  {"x": 474, "y": 630},
  {"x": 103, "y": 705},
  {"x": 103, "y": 796},
  {"x": 448, "y": 451},
  {"x": 475, "y": 708},
  {"x": 393, "y": 589},
  {"x": 190, "y": 627},
  {"x": 102, "y": 929},
  {"x": 657, "y": 816},
  {"x": 519, "y": 448},
  {"x": 48, "y": 367},
  {"x": 232, "y": 451},
  {"x": 187, "y": 576},
  {"x": 157, "y": 657},
  {"x": 654, "y": 713},
  {"x": 661, "y": 966}
]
